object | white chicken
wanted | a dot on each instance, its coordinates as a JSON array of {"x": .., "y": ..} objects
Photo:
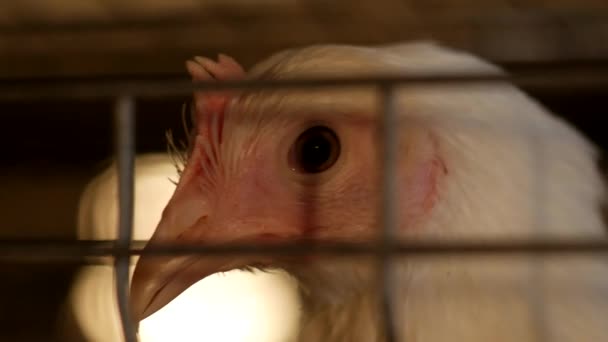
[{"x": 477, "y": 161}]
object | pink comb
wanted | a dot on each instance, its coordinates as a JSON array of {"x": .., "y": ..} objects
[{"x": 210, "y": 107}]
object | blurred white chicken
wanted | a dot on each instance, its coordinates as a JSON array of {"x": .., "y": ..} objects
[
  {"x": 476, "y": 161},
  {"x": 236, "y": 306}
]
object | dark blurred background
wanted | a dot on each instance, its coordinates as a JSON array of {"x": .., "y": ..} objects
[{"x": 51, "y": 148}]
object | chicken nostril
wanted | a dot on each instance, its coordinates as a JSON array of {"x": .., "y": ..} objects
[{"x": 193, "y": 231}]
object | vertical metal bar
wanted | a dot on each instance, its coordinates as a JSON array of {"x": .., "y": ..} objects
[
  {"x": 537, "y": 299},
  {"x": 124, "y": 118},
  {"x": 388, "y": 203}
]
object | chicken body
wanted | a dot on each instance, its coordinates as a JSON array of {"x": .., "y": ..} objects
[{"x": 477, "y": 162}]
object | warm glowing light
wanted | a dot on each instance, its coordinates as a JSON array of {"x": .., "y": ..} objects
[{"x": 234, "y": 306}]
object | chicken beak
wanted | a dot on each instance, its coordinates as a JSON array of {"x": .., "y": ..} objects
[{"x": 158, "y": 279}]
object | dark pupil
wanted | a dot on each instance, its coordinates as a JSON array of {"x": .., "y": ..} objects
[{"x": 316, "y": 150}]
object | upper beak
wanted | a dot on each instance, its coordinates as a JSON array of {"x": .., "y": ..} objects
[{"x": 158, "y": 279}]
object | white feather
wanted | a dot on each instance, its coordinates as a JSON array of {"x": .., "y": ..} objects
[{"x": 515, "y": 171}]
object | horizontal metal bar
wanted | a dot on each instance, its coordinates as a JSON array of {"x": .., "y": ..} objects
[
  {"x": 30, "y": 249},
  {"x": 549, "y": 78},
  {"x": 434, "y": 16},
  {"x": 516, "y": 67}
]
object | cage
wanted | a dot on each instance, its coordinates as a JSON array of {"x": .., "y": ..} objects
[{"x": 83, "y": 82}]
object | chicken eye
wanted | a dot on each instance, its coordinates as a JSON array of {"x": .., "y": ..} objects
[{"x": 315, "y": 150}]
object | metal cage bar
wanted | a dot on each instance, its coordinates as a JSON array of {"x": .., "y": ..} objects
[
  {"x": 57, "y": 251},
  {"x": 585, "y": 76},
  {"x": 124, "y": 116},
  {"x": 388, "y": 210}
]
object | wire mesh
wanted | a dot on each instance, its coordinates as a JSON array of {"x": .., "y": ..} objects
[
  {"x": 105, "y": 42},
  {"x": 123, "y": 248}
]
